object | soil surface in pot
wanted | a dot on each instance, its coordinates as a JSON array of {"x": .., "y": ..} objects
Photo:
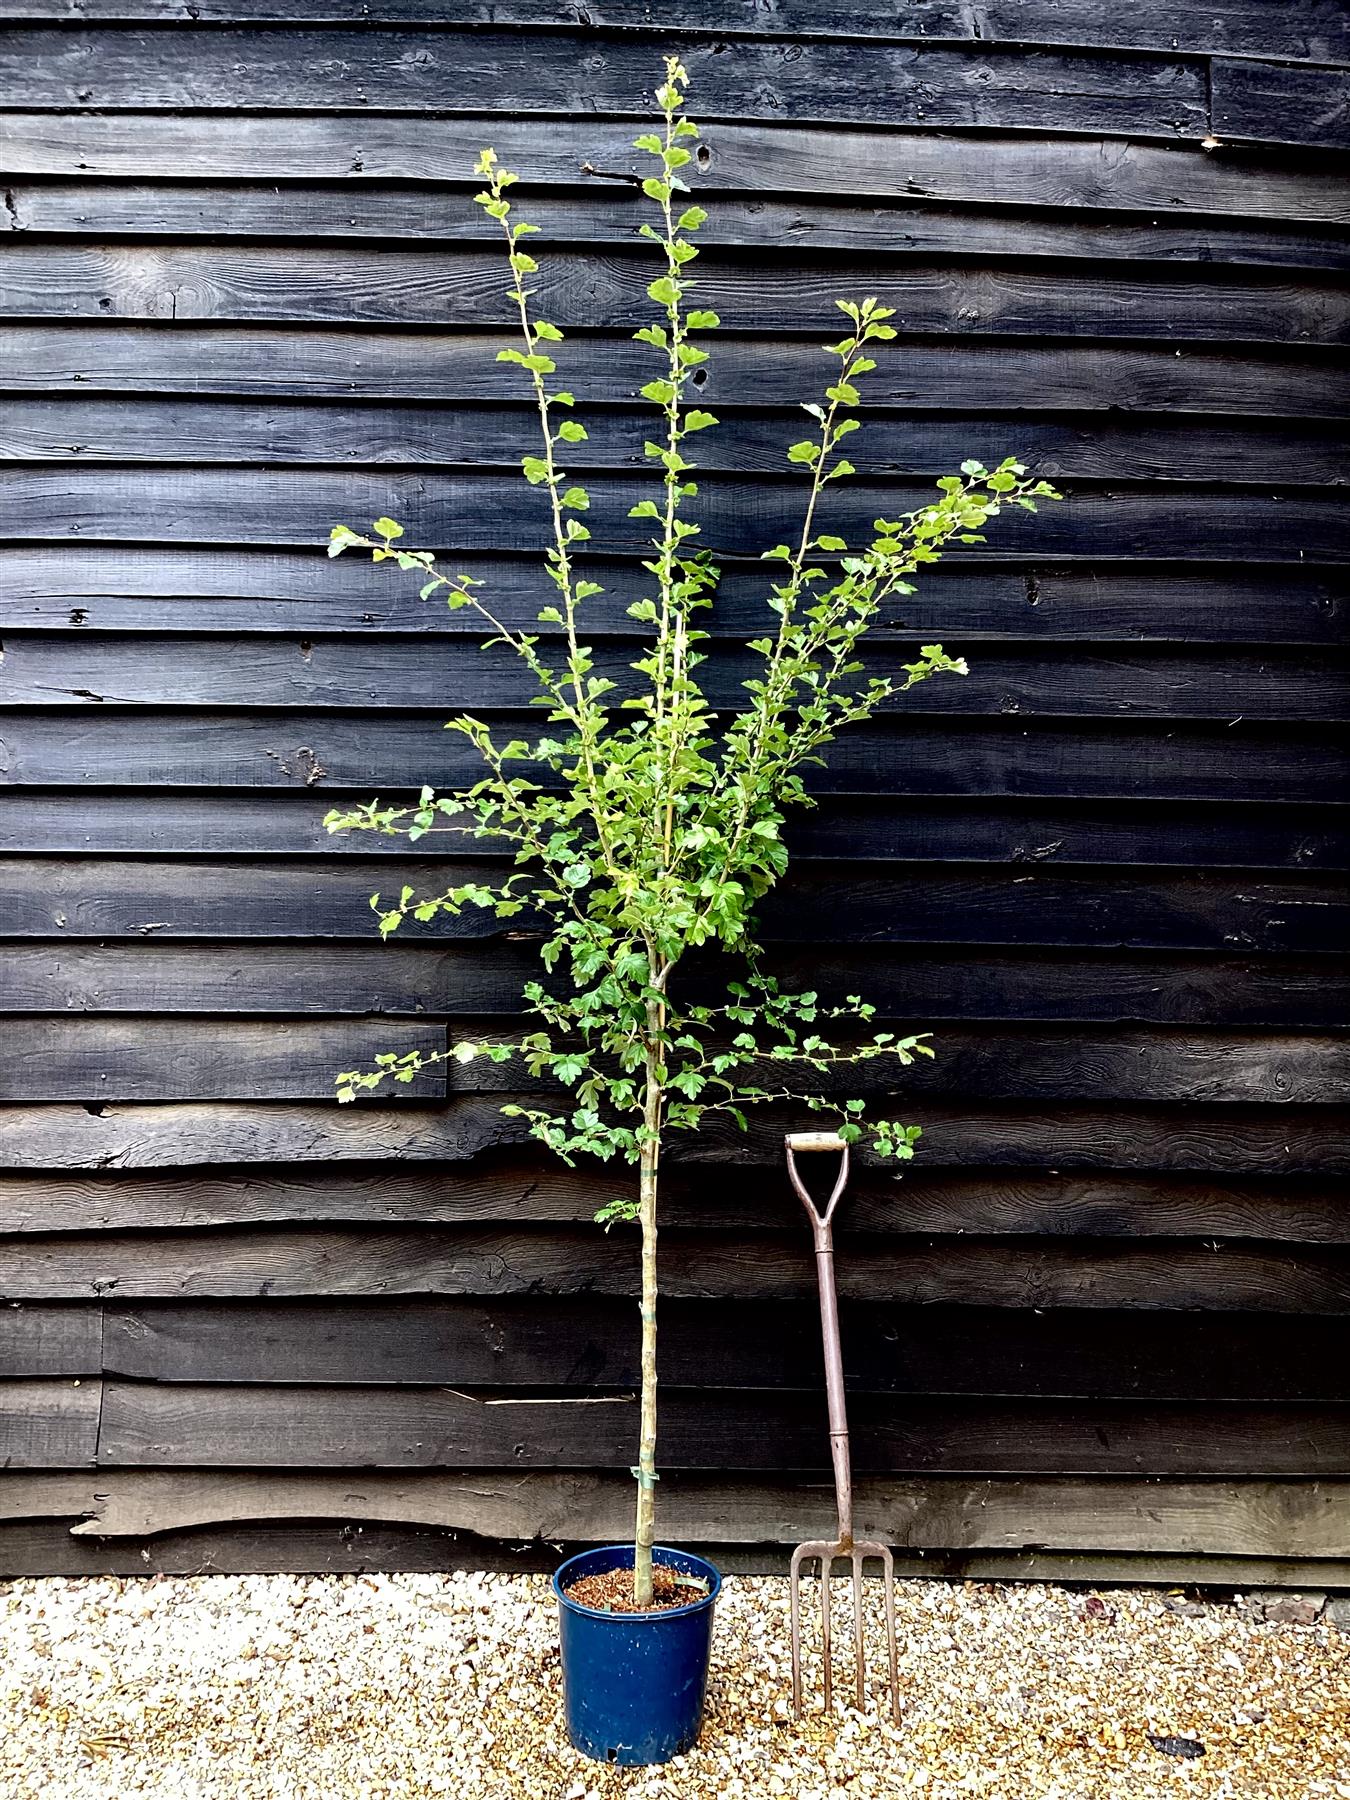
[{"x": 612, "y": 1591}]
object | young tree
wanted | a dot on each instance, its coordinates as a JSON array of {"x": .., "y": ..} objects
[{"x": 648, "y": 825}]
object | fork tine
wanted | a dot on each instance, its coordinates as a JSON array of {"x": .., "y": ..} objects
[
  {"x": 859, "y": 1654},
  {"x": 826, "y": 1566},
  {"x": 888, "y": 1583},
  {"x": 795, "y": 1596}
]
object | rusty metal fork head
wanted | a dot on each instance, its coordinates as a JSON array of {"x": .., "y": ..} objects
[{"x": 856, "y": 1552}]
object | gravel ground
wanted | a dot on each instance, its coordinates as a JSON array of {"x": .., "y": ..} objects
[{"x": 383, "y": 1687}]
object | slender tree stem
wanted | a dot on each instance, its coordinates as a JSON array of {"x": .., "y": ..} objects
[{"x": 648, "y": 1177}]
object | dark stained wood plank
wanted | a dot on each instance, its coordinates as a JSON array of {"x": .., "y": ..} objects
[
  {"x": 101, "y": 1059},
  {"x": 921, "y": 1271},
  {"x": 1277, "y": 103},
  {"x": 46, "y": 1547},
  {"x": 590, "y": 1345},
  {"x": 1236, "y": 1519},
  {"x": 116, "y": 588},
  {"x": 915, "y": 984},
  {"x": 580, "y": 152},
  {"x": 36, "y": 429},
  {"x": 440, "y": 287},
  {"x": 1315, "y": 29},
  {"x": 148, "y": 1425},
  {"x": 524, "y": 1189},
  {"x": 609, "y": 215},
  {"x": 1278, "y": 1141},
  {"x": 1190, "y": 834},
  {"x": 998, "y": 829},
  {"x": 741, "y": 516},
  {"x": 991, "y": 757},
  {"x": 579, "y": 72},
  {"x": 1084, "y": 604},
  {"x": 49, "y": 1340},
  {"x": 126, "y": 357},
  {"x": 177, "y": 1059},
  {"x": 50, "y": 1424},
  {"x": 102, "y": 898},
  {"x": 453, "y": 674}
]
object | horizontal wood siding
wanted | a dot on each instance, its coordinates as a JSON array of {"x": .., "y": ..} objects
[{"x": 1097, "y": 1329}]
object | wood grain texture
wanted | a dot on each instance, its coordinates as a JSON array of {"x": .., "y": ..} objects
[
  {"x": 932, "y": 903},
  {"x": 573, "y": 72},
  {"x": 335, "y": 1547},
  {"x": 1314, "y": 29},
  {"x": 50, "y": 1340},
  {"x": 119, "y": 588},
  {"x": 608, "y": 216},
  {"x": 439, "y": 287},
  {"x": 98, "y": 1059},
  {"x": 206, "y": 1059},
  {"x": 49, "y": 1424},
  {"x": 39, "y": 429},
  {"x": 1272, "y": 1518},
  {"x": 316, "y": 1263},
  {"x": 297, "y": 507},
  {"x": 999, "y": 827},
  {"x": 149, "y": 1425},
  {"x": 763, "y": 157},
  {"x": 454, "y": 674},
  {"x": 1276, "y": 103},
  {"x": 1250, "y": 1141},
  {"x": 518, "y": 1189},
  {"x": 465, "y": 981},
  {"x": 130, "y": 357},
  {"x": 319, "y": 756},
  {"x": 588, "y": 1346}
]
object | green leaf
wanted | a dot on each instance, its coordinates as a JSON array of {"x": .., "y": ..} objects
[
  {"x": 536, "y": 469},
  {"x": 572, "y": 431},
  {"x": 701, "y": 319},
  {"x": 387, "y": 528},
  {"x": 698, "y": 421}
]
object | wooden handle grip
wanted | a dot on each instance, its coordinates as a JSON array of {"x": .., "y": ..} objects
[{"x": 815, "y": 1140}]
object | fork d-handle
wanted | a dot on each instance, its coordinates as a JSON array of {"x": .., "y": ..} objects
[{"x": 822, "y": 1230}]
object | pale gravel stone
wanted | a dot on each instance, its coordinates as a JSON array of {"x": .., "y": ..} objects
[{"x": 412, "y": 1687}]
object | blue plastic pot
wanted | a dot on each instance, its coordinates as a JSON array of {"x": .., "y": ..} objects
[{"x": 634, "y": 1682}]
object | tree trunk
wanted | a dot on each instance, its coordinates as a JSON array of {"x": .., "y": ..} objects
[{"x": 648, "y": 1171}]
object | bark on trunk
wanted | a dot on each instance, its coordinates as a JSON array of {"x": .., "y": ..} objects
[{"x": 648, "y": 1171}]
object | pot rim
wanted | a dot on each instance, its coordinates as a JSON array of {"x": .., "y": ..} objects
[{"x": 639, "y": 1618}]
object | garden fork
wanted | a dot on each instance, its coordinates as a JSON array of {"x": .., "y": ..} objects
[{"x": 844, "y": 1545}]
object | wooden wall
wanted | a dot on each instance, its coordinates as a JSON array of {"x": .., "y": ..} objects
[{"x": 1101, "y": 1326}]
